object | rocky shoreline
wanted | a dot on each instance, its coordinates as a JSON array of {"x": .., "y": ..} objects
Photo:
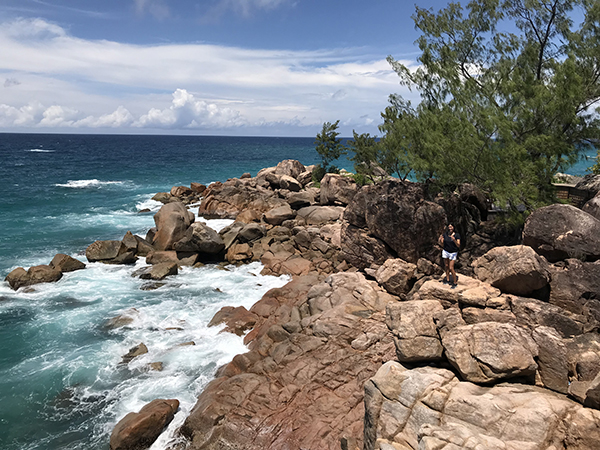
[{"x": 365, "y": 347}]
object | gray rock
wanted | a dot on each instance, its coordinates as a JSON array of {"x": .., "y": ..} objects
[{"x": 559, "y": 232}]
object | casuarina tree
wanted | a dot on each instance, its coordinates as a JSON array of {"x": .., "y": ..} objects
[{"x": 508, "y": 95}]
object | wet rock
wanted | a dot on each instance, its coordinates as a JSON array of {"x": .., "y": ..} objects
[
  {"x": 122, "y": 320},
  {"x": 103, "y": 250},
  {"x": 20, "y": 277},
  {"x": 156, "y": 366},
  {"x": 159, "y": 271},
  {"x": 237, "y": 320},
  {"x": 66, "y": 263},
  {"x": 171, "y": 256},
  {"x": 134, "y": 352},
  {"x": 139, "y": 430}
]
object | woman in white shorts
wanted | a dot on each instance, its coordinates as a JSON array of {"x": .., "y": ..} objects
[{"x": 450, "y": 242}]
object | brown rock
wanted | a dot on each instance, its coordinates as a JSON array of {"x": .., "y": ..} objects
[
  {"x": 66, "y": 263},
  {"x": 139, "y": 430},
  {"x": 134, "y": 352},
  {"x": 415, "y": 332},
  {"x": 103, "y": 250},
  {"x": 428, "y": 408},
  {"x": 198, "y": 187},
  {"x": 337, "y": 189},
  {"x": 298, "y": 389},
  {"x": 160, "y": 271},
  {"x": 181, "y": 191},
  {"x": 237, "y": 320},
  {"x": 396, "y": 276},
  {"x": 277, "y": 216},
  {"x": 489, "y": 351},
  {"x": 514, "y": 270},
  {"x": 172, "y": 221},
  {"x": 17, "y": 278},
  {"x": 171, "y": 256},
  {"x": 320, "y": 215}
]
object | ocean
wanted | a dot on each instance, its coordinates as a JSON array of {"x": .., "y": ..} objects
[{"x": 61, "y": 382}]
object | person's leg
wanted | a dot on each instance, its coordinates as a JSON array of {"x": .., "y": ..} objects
[
  {"x": 447, "y": 269},
  {"x": 451, "y": 269}
]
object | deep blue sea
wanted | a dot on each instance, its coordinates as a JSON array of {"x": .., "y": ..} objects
[{"x": 61, "y": 384}]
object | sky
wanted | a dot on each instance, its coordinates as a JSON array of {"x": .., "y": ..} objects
[{"x": 201, "y": 67}]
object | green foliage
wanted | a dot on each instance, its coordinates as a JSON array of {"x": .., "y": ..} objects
[
  {"x": 329, "y": 146},
  {"x": 502, "y": 110}
]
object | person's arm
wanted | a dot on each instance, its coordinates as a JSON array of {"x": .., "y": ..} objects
[
  {"x": 456, "y": 241},
  {"x": 441, "y": 240}
]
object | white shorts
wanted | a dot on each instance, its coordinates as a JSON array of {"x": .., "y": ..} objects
[{"x": 450, "y": 256}]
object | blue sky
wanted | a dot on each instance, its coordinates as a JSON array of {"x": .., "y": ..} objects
[{"x": 217, "y": 67}]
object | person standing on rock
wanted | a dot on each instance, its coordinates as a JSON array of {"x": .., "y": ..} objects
[{"x": 450, "y": 242}]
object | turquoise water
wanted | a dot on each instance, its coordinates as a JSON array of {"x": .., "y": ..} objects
[{"x": 61, "y": 384}]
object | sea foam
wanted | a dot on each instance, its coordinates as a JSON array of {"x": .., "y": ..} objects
[{"x": 83, "y": 184}]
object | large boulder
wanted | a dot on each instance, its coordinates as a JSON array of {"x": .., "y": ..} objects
[
  {"x": 515, "y": 270},
  {"x": 397, "y": 213},
  {"x": 36, "y": 274},
  {"x": 227, "y": 200},
  {"x": 590, "y": 183},
  {"x": 277, "y": 216},
  {"x": 172, "y": 221},
  {"x": 428, "y": 408},
  {"x": 290, "y": 167},
  {"x": 301, "y": 384},
  {"x": 396, "y": 276},
  {"x": 319, "y": 215},
  {"x": 103, "y": 250},
  {"x": 337, "y": 189},
  {"x": 139, "y": 430},
  {"x": 200, "y": 238},
  {"x": 489, "y": 351},
  {"x": 592, "y": 206},
  {"x": 66, "y": 263},
  {"x": 415, "y": 333},
  {"x": 575, "y": 286},
  {"x": 559, "y": 232}
]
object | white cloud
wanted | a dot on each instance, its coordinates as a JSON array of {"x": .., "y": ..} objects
[
  {"x": 189, "y": 112},
  {"x": 106, "y": 84}
]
